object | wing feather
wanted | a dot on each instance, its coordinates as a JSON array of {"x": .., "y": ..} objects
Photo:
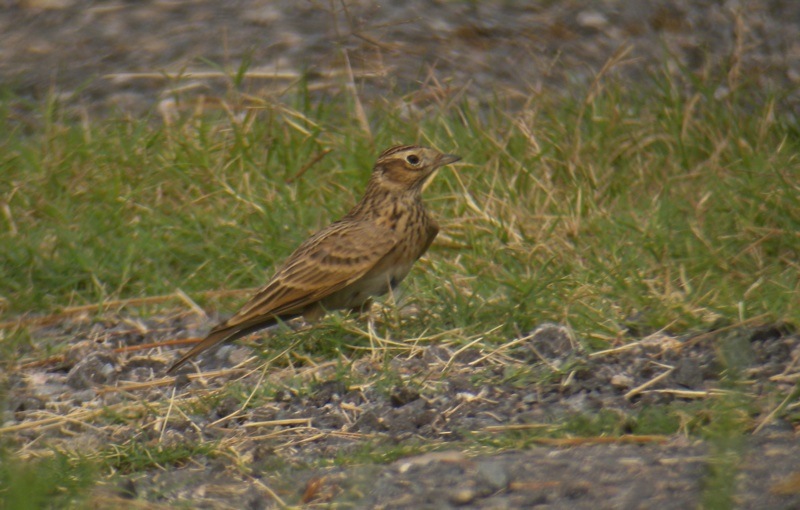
[{"x": 329, "y": 261}]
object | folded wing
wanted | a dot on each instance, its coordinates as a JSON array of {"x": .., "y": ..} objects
[{"x": 327, "y": 262}]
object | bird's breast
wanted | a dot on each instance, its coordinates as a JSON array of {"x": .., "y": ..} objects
[{"x": 414, "y": 231}]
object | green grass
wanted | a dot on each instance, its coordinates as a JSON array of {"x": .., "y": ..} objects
[
  {"x": 135, "y": 456},
  {"x": 679, "y": 211},
  {"x": 59, "y": 481}
]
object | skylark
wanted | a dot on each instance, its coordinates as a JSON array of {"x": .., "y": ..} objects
[{"x": 364, "y": 254}]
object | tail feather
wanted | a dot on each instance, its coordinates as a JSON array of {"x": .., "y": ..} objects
[
  {"x": 218, "y": 335},
  {"x": 211, "y": 340}
]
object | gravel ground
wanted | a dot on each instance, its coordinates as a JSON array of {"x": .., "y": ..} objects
[
  {"x": 106, "y": 56},
  {"x": 103, "y": 56},
  {"x": 442, "y": 398}
]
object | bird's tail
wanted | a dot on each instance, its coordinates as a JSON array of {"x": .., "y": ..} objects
[
  {"x": 218, "y": 335},
  {"x": 213, "y": 338}
]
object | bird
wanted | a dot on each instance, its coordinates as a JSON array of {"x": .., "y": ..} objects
[{"x": 366, "y": 253}]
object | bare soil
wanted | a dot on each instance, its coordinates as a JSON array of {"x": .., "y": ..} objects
[{"x": 482, "y": 431}]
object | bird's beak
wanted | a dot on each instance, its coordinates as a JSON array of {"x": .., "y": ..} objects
[
  {"x": 442, "y": 160},
  {"x": 446, "y": 159}
]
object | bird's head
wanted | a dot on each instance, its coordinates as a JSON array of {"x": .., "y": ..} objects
[{"x": 408, "y": 167}]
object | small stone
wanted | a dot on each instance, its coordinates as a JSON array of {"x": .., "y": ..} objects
[
  {"x": 447, "y": 456},
  {"x": 263, "y": 16},
  {"x": 27, "y": 403},
  {"x": 621, "y": 381},
  {"x": 239, "y": 354},
  {"x": 591, "y": 19},
  {"x": 402, "y": 395},
  {"x": 435, "y": 355},
  {"x": 97, "y": 368},
  {"x": 463, "y": 496},
  {"x": 688, "y": 373},
  {"x": 494, "y": 473},
  {"x": 283, "y": 395},
  {"x": 82, "y": 396},
  {"x": 549, "y": 342}
]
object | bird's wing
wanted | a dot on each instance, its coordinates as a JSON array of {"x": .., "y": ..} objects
[{"x": 327, "y": 262}]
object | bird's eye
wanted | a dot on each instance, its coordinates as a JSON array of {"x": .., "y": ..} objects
[{"x": 413, "y": 159}]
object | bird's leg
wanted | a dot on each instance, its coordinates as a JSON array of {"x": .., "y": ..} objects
[
  {"x": 363, "y": 308},
  {"x": 313, "y": 312}
]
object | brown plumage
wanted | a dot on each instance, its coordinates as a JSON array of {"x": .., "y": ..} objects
[{"x": 362, "y": 255}]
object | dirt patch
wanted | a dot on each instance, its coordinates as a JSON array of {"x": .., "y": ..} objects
[{"x": 274, "y": 433}]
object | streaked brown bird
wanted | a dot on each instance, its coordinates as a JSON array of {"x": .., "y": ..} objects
[{"x": 342, "y": 266}]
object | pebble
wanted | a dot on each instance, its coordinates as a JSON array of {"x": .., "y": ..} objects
[
  {"x": 622, "y": 381},
  {"x": 591, "y": 19},
  {"x": 494, "y": 473},
  {"x": 462, "y": 496}
]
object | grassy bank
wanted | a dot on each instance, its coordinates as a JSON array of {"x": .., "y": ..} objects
[{"x": 660, "y": 208}]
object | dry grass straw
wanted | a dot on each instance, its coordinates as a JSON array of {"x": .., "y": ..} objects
[{"x": 117, "y": 304}]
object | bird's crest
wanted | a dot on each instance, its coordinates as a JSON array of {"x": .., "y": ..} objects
[{"x": 394, "y": 150}]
